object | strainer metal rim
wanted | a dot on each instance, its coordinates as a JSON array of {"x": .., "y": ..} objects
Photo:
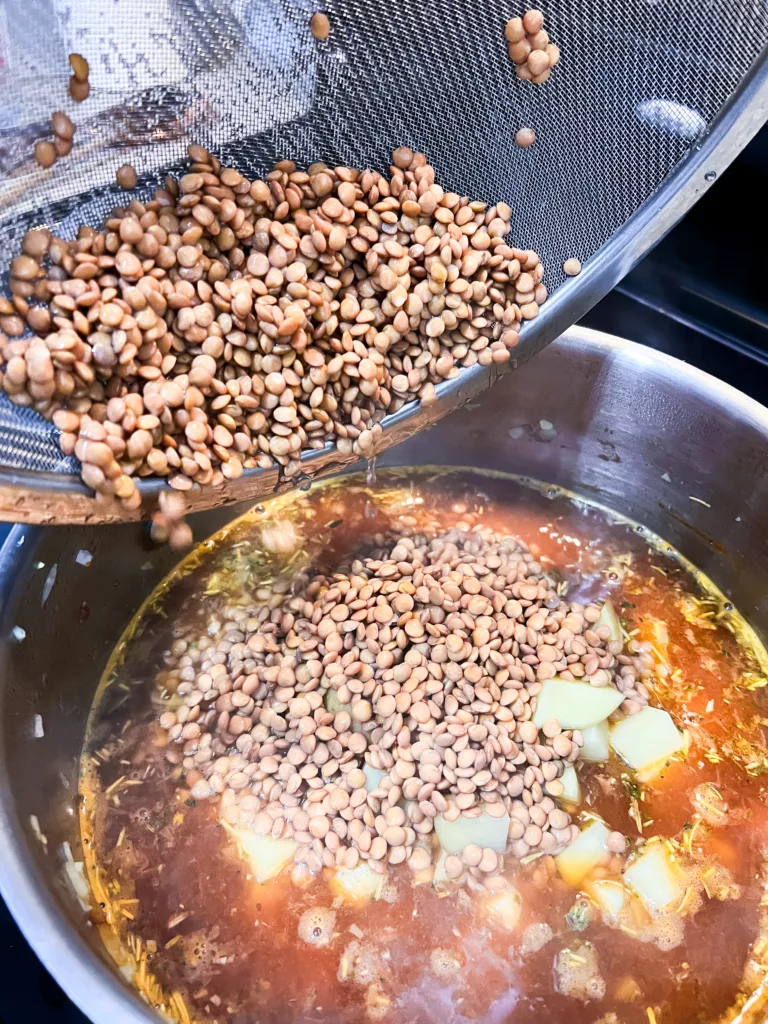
[{"x": 39, "y": 497}]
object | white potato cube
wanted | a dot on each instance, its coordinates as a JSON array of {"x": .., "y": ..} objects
[
  {"x": 357, "y": 884},
  {"x": 571, "y": 785},
  {"x": 333, "y": 704},
  {"x": 506, "y": 908},
  {"x": 575, "y": 705},
  {"x": 609, "y": 618},
  {"x": 646, "y": 738},
  {"x": 595, "y": 746},
  {"x": 373, "y": 777},
  {"x": 586, "y": 851},
  {"x": 609, "y": 894},
  {"x": 656, "y": 878},
  {"x": 267, "y": 856},
  {"x": 440, "y": 877},
  {"x": 483, "y": 831}
]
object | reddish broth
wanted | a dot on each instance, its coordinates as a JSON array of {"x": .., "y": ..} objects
[{"x": 229, "y": 947}]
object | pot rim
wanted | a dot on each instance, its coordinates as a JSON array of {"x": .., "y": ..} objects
[{"x": 82, "y": 973}]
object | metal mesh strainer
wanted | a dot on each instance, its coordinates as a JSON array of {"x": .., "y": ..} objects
[{"x": 650, "y": 102}]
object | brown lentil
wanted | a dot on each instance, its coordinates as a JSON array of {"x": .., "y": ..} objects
[
  {"x": 62, "y": 125},
  {"x": 529, "y": 48},
  {"x": 45, "y": 153},
  {"x": 79, "y": 89},
  {"x": 441, "y": 722},
  {"x": 126, "y": 177},
  {"x": 319, "y": 25},
  {"x": 80, "y": 68}
]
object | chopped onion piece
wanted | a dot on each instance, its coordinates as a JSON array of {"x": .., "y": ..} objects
[
  {"x": 584, "y": 853},
  {"x": 75, "y": 872},
  {"x": 575, "y": 705},
  {"x": 483, "y": 831},
  {"x": 646, "y": 738}
]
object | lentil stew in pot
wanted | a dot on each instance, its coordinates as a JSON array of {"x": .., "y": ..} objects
[{"x": 449, "y": 746}]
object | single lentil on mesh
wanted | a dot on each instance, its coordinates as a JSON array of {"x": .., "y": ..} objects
[
  {"x": 45, "y": 154},
  {"x": 62, "y": 125},
  {"x": 126, "y": 176},
  {"x": 79, "y": 89},
  {"x": 420, "y": 660},
  {"x": 80, "y": 67},
  {"x": 320, "y": 25},
  {"x": 530, "y": 48},
  {"x": 230, "y": 324},
  {"x": 572, "y": 268},
  {"x": 525, "y": 137}
]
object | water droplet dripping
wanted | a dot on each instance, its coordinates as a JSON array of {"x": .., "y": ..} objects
[
  {"x": 304, "y": 482},
  {"x": 370, "y": 472},
  {"x": 370, "y": 510}
]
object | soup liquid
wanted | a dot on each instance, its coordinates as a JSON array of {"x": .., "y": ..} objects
[{"x": 181, "y": 912}]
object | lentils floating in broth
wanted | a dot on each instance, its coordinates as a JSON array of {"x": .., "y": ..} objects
[{"x": 448, "y": 747}]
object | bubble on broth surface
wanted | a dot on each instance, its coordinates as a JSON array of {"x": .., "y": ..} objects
[{"x": 316, "y": 926}]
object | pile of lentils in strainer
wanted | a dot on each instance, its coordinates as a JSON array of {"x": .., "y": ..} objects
[
  {"x": 434, "y": 646},
  {"x": 229, "y": 324}
]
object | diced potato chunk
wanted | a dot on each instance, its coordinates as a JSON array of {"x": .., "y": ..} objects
[
  {"x": 595, "y": 747},
  {"x": 357, "y": 884},
  {"x": 584, "y": 853},
  {"x": 267, "y": 856},
  {"x": 506, "y": 908},
  {"x": 609, "y": 894},
  {"x": 571, "y": 785},
  {"x": 373, "y": 777},
  {"x": 655, "y": 877},
  {"x": 646, "y": 738},
  {"x": 575, "y": 705},
  {"x": 483, "y": 831},
  {"x": 609, "y": 618},
  {"x": 439, "y": 877},
  {"x": 333, "y": 704}
]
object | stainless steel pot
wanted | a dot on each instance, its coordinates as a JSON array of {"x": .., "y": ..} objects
[{"x": 645, "y": 434}]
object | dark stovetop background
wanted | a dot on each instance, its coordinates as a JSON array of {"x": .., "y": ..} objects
[{"x": 700, "y": 296}]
